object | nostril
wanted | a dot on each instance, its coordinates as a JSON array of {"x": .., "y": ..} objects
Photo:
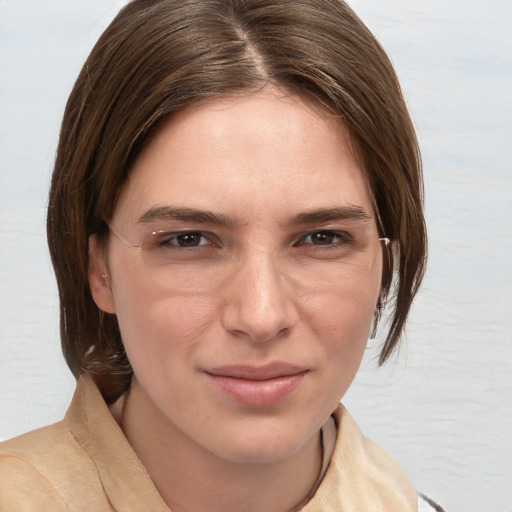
[{"x": 261, "y": 336}]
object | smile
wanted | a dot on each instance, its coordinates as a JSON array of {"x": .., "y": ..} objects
[{"x": 257, "y": 387}]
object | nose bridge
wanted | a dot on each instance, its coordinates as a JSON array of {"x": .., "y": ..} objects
[{"x": 258, "y": 302}]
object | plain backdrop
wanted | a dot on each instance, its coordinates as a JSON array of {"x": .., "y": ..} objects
[{"x": 443, "y": 407}]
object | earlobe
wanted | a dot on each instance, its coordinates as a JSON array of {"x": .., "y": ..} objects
[{"x": 98, "y": 277}]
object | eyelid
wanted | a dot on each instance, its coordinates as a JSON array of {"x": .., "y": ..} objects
[
  {"x": 173, "y": 239},
  {"x": 346, "y": 236},
  {"x": 163, "y": 235}
]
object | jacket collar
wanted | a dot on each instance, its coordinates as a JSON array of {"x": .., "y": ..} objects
[
  {"x": 124, "y": 478},
  {"x": 360, "y": 476}
]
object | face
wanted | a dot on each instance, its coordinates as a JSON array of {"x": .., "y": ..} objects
[{"x": 246, "y": 313}]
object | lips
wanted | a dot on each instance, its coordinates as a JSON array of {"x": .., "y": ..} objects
[{"x": 257, "y": 386}]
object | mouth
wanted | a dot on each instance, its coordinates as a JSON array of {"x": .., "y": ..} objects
[{"x": 257, "y": 386}]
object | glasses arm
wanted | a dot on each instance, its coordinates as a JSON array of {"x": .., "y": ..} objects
[{"x": 123, "y": 240}]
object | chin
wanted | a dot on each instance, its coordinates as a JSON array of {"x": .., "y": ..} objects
[{"x": 262, "y": 444}]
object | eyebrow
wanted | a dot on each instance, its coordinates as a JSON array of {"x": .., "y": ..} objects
[
  {"x": 169, "y": 213},
  {"x": 321, "y": 215},
  {"x": 316, "y": 216}
]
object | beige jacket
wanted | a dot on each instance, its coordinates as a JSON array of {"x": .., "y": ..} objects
[{"x": 84, "y": 463}]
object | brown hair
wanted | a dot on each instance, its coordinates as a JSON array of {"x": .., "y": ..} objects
[{"x": 157, "y": 57}]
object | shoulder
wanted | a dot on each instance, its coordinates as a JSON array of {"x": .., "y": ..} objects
[
  {"x": 24, "y": 488},
  {"x": 42, "y": 449},
  {"x": 25, "y": 470},
  {"x": 79, "y": 464},
  {"x": 45, "y": 469}
]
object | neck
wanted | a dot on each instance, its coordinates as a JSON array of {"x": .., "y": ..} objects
[{"x": 192, "y": 479}]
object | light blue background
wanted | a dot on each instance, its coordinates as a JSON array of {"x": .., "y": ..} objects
[{"x": 443, "y": 408}]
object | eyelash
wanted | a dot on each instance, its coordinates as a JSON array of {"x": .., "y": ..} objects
[
  {"x": 167, "y": 239},
  {"x": 342, "y": 236}
]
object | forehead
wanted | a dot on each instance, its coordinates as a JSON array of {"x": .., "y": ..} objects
[{"x": 245, "y": 155}]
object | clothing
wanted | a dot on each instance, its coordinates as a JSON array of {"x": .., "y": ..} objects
[{"x": 84, "y": 463}]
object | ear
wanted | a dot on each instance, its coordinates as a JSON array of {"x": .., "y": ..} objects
[{"x": 99, "y": 278}]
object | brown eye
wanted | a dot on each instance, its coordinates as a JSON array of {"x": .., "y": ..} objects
[
  {"x": 186, "y": 240},
  {"x": 322, "y": 238}
]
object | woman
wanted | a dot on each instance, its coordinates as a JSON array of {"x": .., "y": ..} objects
[{"x": 236, "y": 197}]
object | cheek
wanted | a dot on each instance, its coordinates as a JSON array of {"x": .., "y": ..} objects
[
  {"x": 345, "y": 312},
  {"x": 345, "y": 331},
  {"x": 158, "y": 326},
  {"x": 149, "y": 314},
  {"x": 340, "y": 319}
]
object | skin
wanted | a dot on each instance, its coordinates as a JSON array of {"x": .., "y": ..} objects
[{"x": 259, "y": 289}]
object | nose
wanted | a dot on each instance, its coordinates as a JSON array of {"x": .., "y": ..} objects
[{"x": 258, "y": 302}]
